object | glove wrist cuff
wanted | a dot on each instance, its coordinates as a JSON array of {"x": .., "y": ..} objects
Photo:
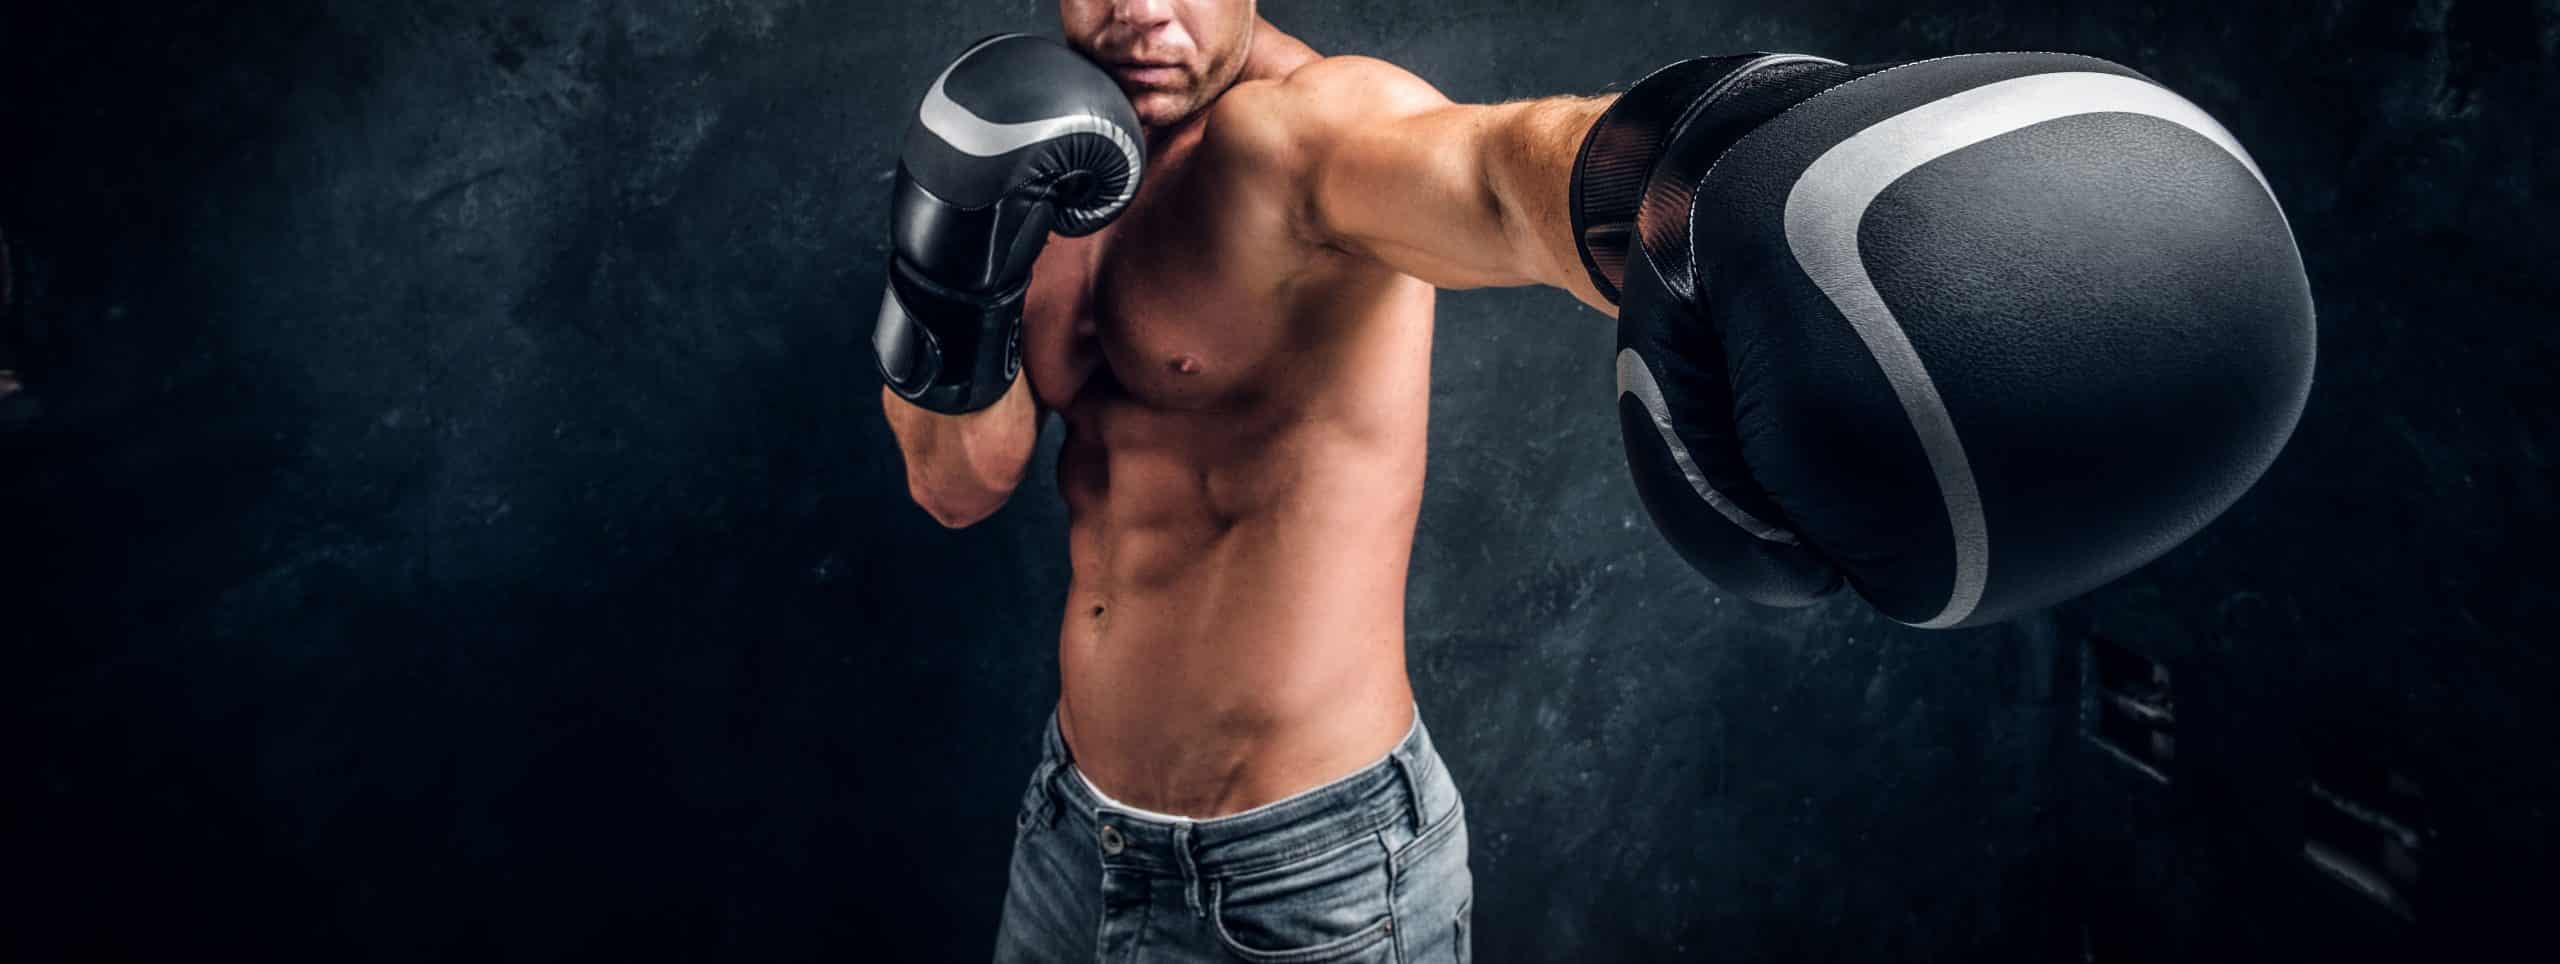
[
  {"x": 947, "y": 350},
  {"x": 1618, "y": 154}
]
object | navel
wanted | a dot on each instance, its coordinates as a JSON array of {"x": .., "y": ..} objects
[{"x": 1185, "y": 364}]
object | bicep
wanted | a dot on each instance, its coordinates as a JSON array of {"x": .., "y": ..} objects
[{"x": 1413, "y": 191}]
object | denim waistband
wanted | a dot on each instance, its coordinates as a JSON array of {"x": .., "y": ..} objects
[{"x": 1410, "y": 785}]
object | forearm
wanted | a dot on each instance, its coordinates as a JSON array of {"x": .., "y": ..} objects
[
  {"x": 962, "y": 468},
  {"x": 1529, "y": 150}
]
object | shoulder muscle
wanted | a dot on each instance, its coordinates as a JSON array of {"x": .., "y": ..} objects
[{"x": 1294, "y": 126}]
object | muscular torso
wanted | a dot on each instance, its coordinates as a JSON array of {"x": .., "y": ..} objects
[{"x": 1242, "y": 467}]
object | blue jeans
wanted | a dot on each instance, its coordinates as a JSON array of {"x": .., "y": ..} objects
[{"x": 1369, "y": 868}]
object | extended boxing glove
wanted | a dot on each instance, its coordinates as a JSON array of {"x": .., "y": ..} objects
[
  {"x": 1972, "y": 335},
  {"x": 1019, "y": 137}
]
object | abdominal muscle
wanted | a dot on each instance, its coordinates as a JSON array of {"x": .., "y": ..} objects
[{"x": 1234, "y": 630}]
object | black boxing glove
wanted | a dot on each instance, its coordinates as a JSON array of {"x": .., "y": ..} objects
[
  {"x": 1970, "y": 335},
  {"x": 1019, "y": 137}
]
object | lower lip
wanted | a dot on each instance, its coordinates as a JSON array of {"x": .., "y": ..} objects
[{"x": 1148, "y": 75}]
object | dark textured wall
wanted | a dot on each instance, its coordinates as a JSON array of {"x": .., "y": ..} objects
[{"x": 447, "y": 514}]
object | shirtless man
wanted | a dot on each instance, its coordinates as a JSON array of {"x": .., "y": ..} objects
[
  {"x": 1243, "y": 359},
  {"x": 1235, "y": 320}
]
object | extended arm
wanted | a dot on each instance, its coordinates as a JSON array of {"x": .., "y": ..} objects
[{"x": 1458, "y": 195}]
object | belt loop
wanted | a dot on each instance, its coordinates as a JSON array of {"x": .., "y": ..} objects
[
  {"x": 1412, "y": 787},
  {"x": 1047, "y": 778},
  {"x": 1053, "y": 761},
  {"x": 1190, "y": 869}
]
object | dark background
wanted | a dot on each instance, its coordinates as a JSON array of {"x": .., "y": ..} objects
[{"x": 448, "y": 516}]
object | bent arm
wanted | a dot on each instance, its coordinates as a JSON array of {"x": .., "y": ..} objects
[
  {"x": 962, "y": 468},
  {"x": 1458, "y": 195}
]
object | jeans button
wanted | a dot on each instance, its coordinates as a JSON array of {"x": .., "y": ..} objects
[{"x": 1111, "y": 842}]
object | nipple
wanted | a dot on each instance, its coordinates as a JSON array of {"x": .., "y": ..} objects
[{"x": 1185, "y": 364}]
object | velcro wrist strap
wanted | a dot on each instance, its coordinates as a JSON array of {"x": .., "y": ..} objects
[
  {"x": 947, "y": 350},
  {"x": 1619, "y": 152}
]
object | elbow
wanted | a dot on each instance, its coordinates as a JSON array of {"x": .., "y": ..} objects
[
  {"x": 965, "y": 493},
  {"x": 957, "y": 507},
  {"x": 961, "y": 471}
]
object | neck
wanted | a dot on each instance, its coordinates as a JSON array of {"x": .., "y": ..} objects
[{"x": 1270, "y": 54}]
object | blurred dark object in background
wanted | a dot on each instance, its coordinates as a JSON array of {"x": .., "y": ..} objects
[{"x": 21, "y": 334}]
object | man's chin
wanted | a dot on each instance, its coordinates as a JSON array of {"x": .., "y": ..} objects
[{"x": 1160, "y": 108}]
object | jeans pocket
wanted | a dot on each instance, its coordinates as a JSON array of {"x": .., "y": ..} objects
[
  {"x": 1434, "y": 892},
  {"x": 1438, "y": 851},
  {"x": 1330, "y": 908}
]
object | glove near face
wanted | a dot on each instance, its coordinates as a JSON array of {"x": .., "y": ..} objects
[{"x": 1019, "y": 137}]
